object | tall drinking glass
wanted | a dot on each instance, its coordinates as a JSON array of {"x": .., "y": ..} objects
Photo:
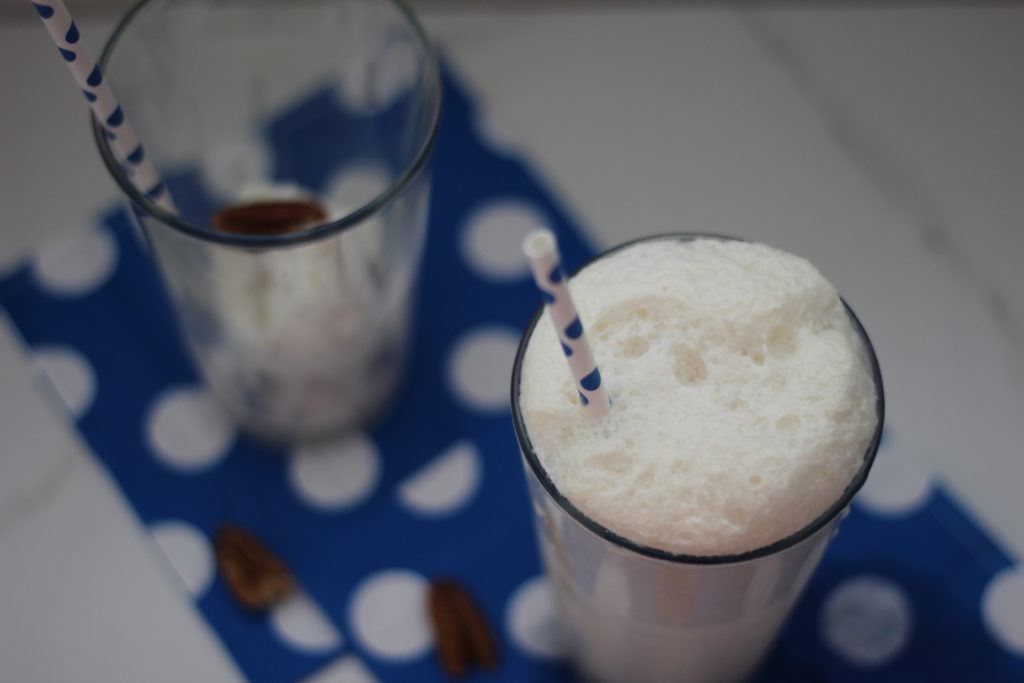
[
  {"x": 636, "y": 613},
  {"x": 304, "y": 333}
]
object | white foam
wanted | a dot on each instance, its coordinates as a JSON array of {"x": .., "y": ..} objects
[{"x": 743, "y": 405}]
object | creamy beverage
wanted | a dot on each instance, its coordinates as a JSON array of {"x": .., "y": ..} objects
[
  {"x": 302, "y": 193},
  {"x": 308, "y": 341},
  {"x": 679, "y": 529}
]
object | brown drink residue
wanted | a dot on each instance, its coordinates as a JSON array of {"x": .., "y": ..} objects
[{"x": 270, "y": 217}]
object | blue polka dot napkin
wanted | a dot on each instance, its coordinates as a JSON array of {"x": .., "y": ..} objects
[{"x": 911, "y": 590}]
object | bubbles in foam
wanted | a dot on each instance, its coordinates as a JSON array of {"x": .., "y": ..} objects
[{"x": 743, "y": 405}]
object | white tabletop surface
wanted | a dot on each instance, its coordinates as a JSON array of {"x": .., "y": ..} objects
[{"x": 885, "y": 145}]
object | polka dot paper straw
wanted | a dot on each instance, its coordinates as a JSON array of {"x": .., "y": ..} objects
[
  {"x": 108, "y": 112},
  {"x": 542, "y": 251}
]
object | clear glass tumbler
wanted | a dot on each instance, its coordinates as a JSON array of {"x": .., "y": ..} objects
[
  {"x": 306, "y": 333},
  {"x": 639, "y": 614}
]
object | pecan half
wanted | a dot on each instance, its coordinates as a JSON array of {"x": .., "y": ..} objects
[
  {"x": 269, "y": 218},
  {"x": 255, "y": 576},
  {"x": 463, "y": 635},
  {"x": 452, "y": 646}
]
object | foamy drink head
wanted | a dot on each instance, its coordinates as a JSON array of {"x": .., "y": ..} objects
[{"x": 743, "y": 400}]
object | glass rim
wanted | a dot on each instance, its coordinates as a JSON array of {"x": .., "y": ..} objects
[
  {"x": 431, "y": 84},
  {"x": 603, "y": 532}
]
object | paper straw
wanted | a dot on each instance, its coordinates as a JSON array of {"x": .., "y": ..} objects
[
  {"x": 108, "y": 112},
  {"x": 541, "y": 249}
]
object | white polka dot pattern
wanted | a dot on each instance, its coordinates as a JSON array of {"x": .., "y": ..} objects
[
  {"x": 233, "y": 165},
  {"x": 187, "y": 430},
  {"x": 347, "y": 669},
  {"x": 189, "y": 553},
  {"x": 1002, "y": 609},
  {"x": 492, "y": 236},
  {"x": 300, "y": 623},
  {"x": 77, "y": 265},
  {"x": 531, "y": 620},
  {"x": 445, "y": 484},
  {"x": 895, "y": 487},
  {"x": 387, "y": 615},
  {"x": 335, "y": 475},
  {"x": 71, "y": 376},
  {"x": 867, "y": 620},
  {"x": 479, "y": 368},
  {"x": 356, "y": 185}
]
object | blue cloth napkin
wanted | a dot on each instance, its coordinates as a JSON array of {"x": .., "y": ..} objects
[{"x": 911, "y": 590}]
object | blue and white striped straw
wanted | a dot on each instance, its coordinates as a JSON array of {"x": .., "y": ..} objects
[
  {"x": 541, "y": 249},
  {"x": 104, "y": 105}
]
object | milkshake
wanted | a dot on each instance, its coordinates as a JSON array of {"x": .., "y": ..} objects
[
  {"x": 303, "y": 341},
  {"x": 301, "y": 331},
  {"x": 679, "y": 530},
  {"x": 308, "y": 340}
]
